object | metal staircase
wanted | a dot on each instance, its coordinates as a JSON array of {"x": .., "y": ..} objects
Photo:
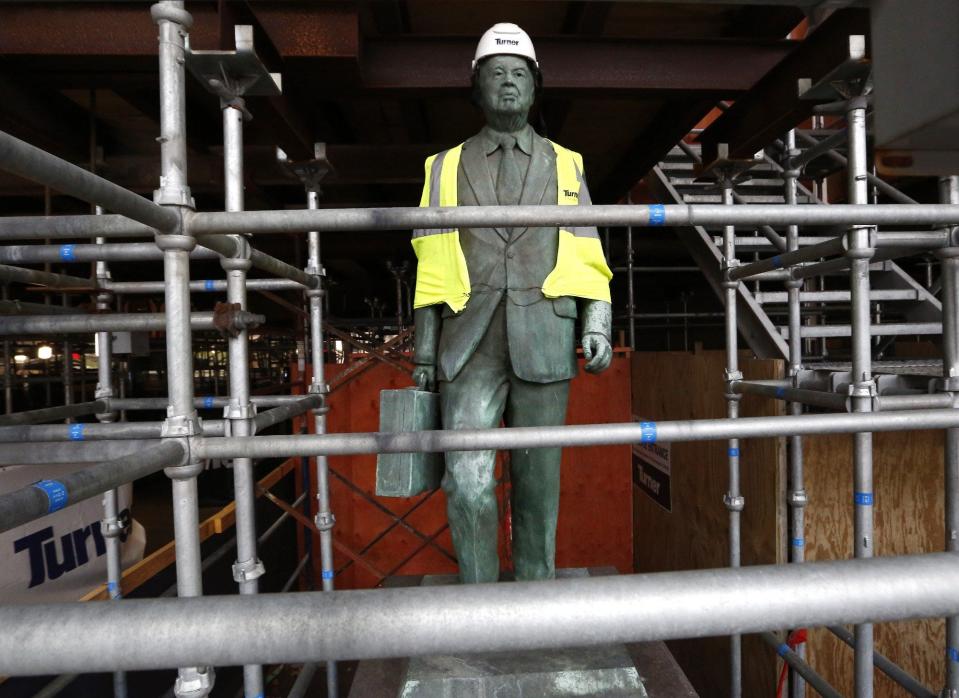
[{"x": 905, "y": 306}]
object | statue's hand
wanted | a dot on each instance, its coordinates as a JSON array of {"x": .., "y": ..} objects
[
  {"x": 598, "y": 352},
  {"x": 425, "y": 377}
]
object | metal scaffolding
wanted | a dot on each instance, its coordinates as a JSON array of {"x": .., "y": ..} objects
[{"x": 196, "y": 634}]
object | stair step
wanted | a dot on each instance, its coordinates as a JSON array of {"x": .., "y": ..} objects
[
  {"x": 761, "y": 244},
  {"x": 746, "y": 199},
  {"x": 890, "y": 330},
  {"x": 835, "y": 296}
]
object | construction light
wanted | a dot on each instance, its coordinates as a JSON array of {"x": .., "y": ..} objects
[
  {"x": 20, "y": 359},
  {"x": 45, "y": 352}
]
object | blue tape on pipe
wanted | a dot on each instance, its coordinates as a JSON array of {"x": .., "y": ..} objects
[
  {"x": 75, "y": 432},
  {"x": 733, "y": 452},
  {"x": 657, "y": 214},
  {"x": 208, "y": 285},
  {"x": 56, "y": 494},
  {"x": 777, "y": 262},
  {"x": 327, "y": 574},
  {"x": 780, "y": 392},
  {"x": 67, "y": 252},
  {"x": 798, "y": 542},
  {"x": 114, "y": 590},
  {"x": 783, "y": 649},
  {"x": 647, "y": 432},
  {"x": 953, "y": 654},
  {"x": 208, "y": 402},
  {"x": 864, "y": 499}
]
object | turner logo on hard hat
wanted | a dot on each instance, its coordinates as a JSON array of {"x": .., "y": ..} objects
[{"x": 505, "y": 38}]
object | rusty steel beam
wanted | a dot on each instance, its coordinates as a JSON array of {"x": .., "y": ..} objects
[
  {"x": 722, "y": 67},
  {"x": 673, "y": 121},
  {"x": 99, "y": 29},
  {"x": 354, "y": 164},
  {"x": 773, "y": 106}
]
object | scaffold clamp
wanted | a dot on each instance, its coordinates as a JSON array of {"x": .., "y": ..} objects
[
  {"x": 248, "y": 571},
  {"x": 325, "y": 521},
  {"x": 736, "y": 503}
]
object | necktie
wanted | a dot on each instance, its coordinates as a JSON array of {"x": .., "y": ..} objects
[{"x": 509, "y": 181}]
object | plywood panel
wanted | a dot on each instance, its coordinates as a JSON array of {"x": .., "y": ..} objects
[
  {"x": 594, "y": 480},
  {"x": 908, "y": 475},
  {"x": 680, "y": 385}
]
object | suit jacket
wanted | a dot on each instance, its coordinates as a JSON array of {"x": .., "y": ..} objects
[{"x": 509, "y": 266}]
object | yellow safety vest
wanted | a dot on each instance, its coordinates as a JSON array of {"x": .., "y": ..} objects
[{"x": 441, "y": 273}]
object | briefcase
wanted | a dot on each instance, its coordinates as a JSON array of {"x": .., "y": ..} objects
[{"x": 408, "y": 474}]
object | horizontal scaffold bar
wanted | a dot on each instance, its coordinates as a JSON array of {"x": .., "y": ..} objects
[
  {"x": 47, "y": 496},
  {"x": 20, "y": 158},
  {"x": 204, "y": 286},
  {"x": 654, "y": 215},
  {"x": 406, "y": 218},
  {"x": 315, "y": 626},
  {"x": 882, "y": 330},
  {"x": 88, "y": 252},
  {"x": 81, "y": 431},
  {"x": 119, "y": 322},
  {"x": 570, "y": 435}
]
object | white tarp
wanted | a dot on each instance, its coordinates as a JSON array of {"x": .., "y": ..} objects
[{"x": 62, "y": 556}]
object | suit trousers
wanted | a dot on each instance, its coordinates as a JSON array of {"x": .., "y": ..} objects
[{"x": 485, "y": 392}]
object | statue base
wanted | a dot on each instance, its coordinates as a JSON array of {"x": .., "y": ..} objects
[
  {"x": 588, "y": 671},
  {"x": 643, "y": 670}
]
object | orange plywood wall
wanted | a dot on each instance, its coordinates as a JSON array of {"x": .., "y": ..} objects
[
  {"x": 595, "y": 521},
  {"x": 694, "y": 534},
  {"x": 908, "y": 473},
  {"x": 908, "y": 476}
]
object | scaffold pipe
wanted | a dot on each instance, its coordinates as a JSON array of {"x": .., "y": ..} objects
[
  {"x": 80, "y": 431},
  {"x": 27, "y": 161},
  {"x": 281, "y": 413},
  {"x": 47, "y": 496},
  {"x": 315, "y": 626},
  {"x": 654, "y": 215},
  {"x": 795, "y": 662},
  {"x": 109, "y": 252},
  {"x": 48, "y": 414},
  {"x": 116, "y": 322},
  {"x": 204, "y": 286},
  {"x": 571, "y": 435}
]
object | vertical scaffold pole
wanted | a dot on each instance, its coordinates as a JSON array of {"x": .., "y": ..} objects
[
  {"x": 734, "y": 500},
  {"x": 324, "y": 517},
  {"x": 110, "y": 525},
  {"x": 949, "y": 259},
  {"x": 797, "y": 492},
  {"x": 862, "y": 389},
  {"x": 7, "y": 378},
  {"x": 67, "y": 366},
  {"x": 181, "y": 422},
  {"x": 630, "y": 282},
  {"x": 247, "y": 569}
]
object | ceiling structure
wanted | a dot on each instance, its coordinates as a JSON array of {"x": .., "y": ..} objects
[{"x": 385, "y": 83}]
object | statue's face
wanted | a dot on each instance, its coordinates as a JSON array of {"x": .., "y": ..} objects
[{"x": 506, "y": 86}]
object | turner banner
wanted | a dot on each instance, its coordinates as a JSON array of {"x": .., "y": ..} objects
[
  {"x": 61, "y": 556},
  {"x": 652, "y": 472}
]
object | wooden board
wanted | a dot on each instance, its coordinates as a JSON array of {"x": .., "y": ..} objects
[
  {"x": 908, "y": 476},
  {"x": 694, "y": 535},
  {"x": 593, "y": 480}
]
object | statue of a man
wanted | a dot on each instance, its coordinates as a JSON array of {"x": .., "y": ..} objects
[{"x": 496, "y": 310}]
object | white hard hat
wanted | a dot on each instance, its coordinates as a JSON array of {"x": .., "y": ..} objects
[{"x": 505, "y": 38}]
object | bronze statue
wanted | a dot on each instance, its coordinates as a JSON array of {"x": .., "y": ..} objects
[{"x": 500, "y": 343}]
